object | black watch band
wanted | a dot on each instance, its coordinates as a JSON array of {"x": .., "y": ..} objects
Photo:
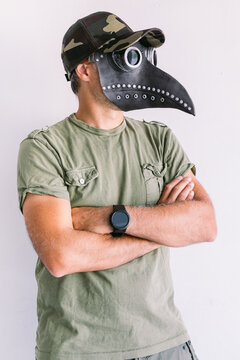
[
  {"x": 118, "y": 232},
  {"x": 119, "y": 207}
]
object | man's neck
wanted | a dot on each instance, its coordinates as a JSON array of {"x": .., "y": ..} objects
[{"x": 99, "y": 116}]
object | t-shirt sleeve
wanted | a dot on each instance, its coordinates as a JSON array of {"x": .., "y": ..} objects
[
  {"x": 178, "y": 162},
  {"x": 39, "y": 171}
]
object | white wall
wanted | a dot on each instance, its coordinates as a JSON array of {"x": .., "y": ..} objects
[{"x": 202, "y": 52}]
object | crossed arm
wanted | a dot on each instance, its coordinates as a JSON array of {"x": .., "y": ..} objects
[
  {"x": 174, "y": 224},
  {"x": 78, "y": 239}
]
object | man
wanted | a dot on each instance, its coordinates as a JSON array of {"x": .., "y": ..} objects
[{"x": 104, "y": 197}]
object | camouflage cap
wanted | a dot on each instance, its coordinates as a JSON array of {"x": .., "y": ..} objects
[{"x": 102, "y": 31}]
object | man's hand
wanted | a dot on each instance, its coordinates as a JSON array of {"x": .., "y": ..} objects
[
  {"x": 180, "y": 223},
  {"x": 178, "y": 189}
]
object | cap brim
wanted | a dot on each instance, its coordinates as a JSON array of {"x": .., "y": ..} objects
[{"x": 153, "y": 37}]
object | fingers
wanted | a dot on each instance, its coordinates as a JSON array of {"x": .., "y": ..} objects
[
  {"x": 181, "y": 190},
  {"x": 168, "y": 188},
  {"x": 190, "y": 195},
  {"x": 177, "y": 190},
  {"x": 180, "y": 193}
]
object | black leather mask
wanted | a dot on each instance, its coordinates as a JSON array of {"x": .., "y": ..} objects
[{"x": 131, "y": 80}]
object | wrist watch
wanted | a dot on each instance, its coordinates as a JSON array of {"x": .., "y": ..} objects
[{"x": 119, "y": 219}]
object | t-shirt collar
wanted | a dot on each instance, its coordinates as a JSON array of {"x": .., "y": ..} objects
[{"x": 97, "y": 131}]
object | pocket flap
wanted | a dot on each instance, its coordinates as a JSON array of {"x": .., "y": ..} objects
[
  {"x": 81, "y": 177},
  {"x": 151, "y": 170}
]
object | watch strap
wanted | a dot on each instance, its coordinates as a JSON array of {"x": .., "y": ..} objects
[
  {"x": 118, "y": 207},
  {"x": 116, "y": 233}
]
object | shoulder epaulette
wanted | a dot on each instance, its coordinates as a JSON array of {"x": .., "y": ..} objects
[
  {"x": 155, "y": 122},
  {"x": 36, "y": 131}
]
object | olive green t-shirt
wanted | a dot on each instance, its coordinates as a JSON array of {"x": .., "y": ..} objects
[{"x": 123, "y": 312}]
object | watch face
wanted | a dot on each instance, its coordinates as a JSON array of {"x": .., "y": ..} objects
[{"x": 120, "y": 220}]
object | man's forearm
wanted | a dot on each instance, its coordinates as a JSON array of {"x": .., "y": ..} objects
[
  {"x": 87, "y": 251},
  {"x": 177, "y": 224}
]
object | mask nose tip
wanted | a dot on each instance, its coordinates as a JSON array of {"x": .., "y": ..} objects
[{"x": 193, "y": 112}]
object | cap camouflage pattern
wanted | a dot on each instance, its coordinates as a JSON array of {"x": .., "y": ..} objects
[{"x": 102, "y": 31}]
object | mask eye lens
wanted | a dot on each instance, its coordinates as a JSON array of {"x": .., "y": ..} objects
[{"x": 133, "y": 57}]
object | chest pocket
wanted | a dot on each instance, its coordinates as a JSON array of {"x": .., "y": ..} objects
[
  {"x": 81, "y": 184},
  {"x": 81, "y": 177},
  {"x": 153, "y": 176}
]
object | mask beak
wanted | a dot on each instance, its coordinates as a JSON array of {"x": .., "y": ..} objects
[
  {"x": 176, "y": 96},
  {"x": 144, "y": 87}
]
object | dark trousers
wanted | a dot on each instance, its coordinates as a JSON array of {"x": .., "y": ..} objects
[{"x": 184, "y": 351}]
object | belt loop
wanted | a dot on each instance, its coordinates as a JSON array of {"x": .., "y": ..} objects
[{"x": 189, "y": 343}]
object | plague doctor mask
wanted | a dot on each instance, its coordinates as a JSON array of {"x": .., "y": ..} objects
[
  {"x": 131, "y": 80},
  {"x": 126, "y": 62}
]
